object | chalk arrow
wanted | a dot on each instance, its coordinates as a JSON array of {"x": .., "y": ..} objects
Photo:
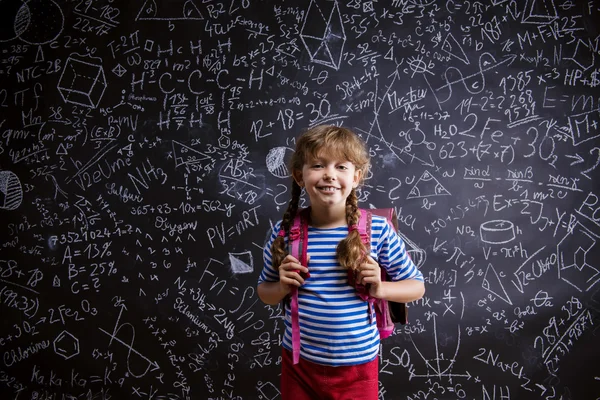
[
  {"x": 541, "y": 387},
  {"x": 578, "y": 159}
]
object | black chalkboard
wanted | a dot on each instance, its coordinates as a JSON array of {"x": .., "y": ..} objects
[{"x": 143, "y": 149}]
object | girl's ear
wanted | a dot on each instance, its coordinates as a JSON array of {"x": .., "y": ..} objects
[
  {"x": 357, "y": 177},
  {"x": 297, "y": 174}
]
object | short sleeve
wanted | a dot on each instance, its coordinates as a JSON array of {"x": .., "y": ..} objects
[
  {"x": 391, "y": 252},
  {"x": 269, "y": 273}
]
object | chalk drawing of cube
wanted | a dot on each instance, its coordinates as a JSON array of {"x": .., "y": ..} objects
[{"x": 82, "y": 82}]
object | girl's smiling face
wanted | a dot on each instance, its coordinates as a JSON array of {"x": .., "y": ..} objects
[{"x": 328, "y": 180}]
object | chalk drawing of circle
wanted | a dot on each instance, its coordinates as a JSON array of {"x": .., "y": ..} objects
[
  {"x": 497, "y": 231},
  {"x": 13, "y": 15},
  {"x": 415, "y": 136},
  {"x": 276, "y": 162},
  {"x": 39, "y": 22},
  {"x": 11, "y": 191}
]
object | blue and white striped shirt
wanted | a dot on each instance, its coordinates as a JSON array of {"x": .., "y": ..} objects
[{"x": 334, "y": 322}]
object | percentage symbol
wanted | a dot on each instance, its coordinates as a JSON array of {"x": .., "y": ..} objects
[{"x": 105, "y": 250}]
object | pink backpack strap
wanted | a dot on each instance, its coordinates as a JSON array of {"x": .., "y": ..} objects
[
  {"x": 362, "y": 224},
  {"x": 390, "y": 311},
  {"x": 298, "y": 245},
  {"x": 364, "y": 228},
  {"x": 388, "y": 213}
]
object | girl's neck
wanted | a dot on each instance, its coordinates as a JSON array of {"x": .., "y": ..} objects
[{"x": 327, "y": 218}]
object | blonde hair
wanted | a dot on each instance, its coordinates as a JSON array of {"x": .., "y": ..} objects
[{"x": 343, "y": 144}]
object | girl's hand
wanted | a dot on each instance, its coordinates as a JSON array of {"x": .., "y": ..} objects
[
  {"x": 369, "y": 274},
  {"x": 291, "y": 272}
]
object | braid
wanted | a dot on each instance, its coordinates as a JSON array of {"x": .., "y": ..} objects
[
  {"x": 278, "y": 248},
  {"x": 351, "y": 250}
]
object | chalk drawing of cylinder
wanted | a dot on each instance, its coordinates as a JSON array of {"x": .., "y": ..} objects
[
  {"x": 82, "y": 82},
  {"x": 11, "y": 191},
  {"x": 497, "y": 231}
]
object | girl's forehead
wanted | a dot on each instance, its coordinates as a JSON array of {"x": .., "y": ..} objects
[
  {"x": 333, "y": 153},
  {"x": 336, "y": 156}
]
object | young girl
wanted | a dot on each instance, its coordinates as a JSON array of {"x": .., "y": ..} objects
[{"x": 339, "y": 340}]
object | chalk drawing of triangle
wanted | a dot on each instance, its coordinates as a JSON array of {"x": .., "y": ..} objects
[
  {"x": 241, "y": 263},
  {"x": 453, "y": 48},
  {"x": 176, "y": 10},
  {"x": 539, "y": 12},
  {"x": 184, "y": 155},
  {"x": 427, "y": 186},
  {"x": 61, "y": 150},
  {"x": 493, "y": 284}
]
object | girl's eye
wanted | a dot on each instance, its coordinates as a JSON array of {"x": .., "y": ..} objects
[{"x": 343, "y": 167}]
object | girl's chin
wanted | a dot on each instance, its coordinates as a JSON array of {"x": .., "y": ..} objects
[{"x": 326, "y": 201}]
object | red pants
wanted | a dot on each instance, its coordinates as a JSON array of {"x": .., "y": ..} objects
[{"x": 310, "y": 381}]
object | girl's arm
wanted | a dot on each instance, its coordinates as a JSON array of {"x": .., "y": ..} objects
[
  {"x": 400, "y": 291},
  {"x": 271, "y": 293}
]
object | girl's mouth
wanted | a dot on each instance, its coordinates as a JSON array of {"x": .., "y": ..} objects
[{"x": 329, "y": 189}]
